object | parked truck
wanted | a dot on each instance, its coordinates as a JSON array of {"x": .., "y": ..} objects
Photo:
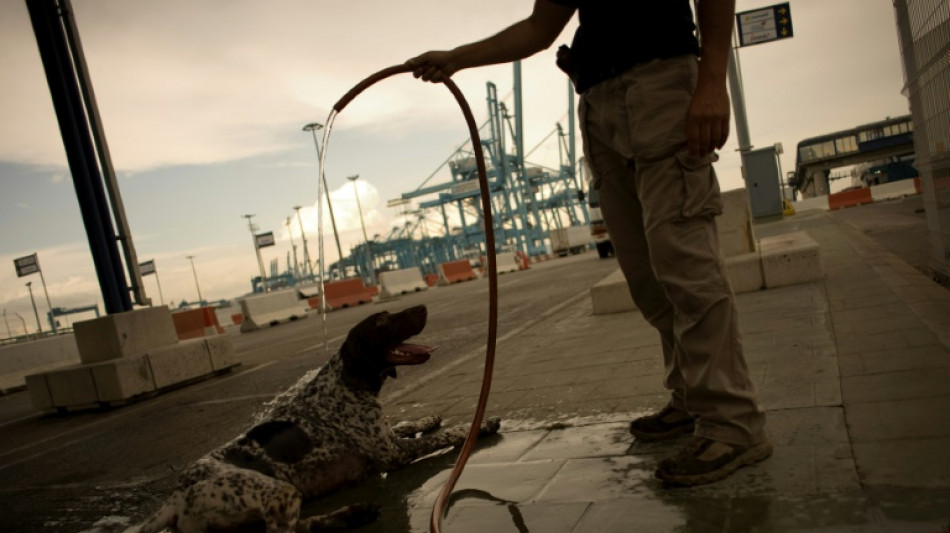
[{"x": 570, "y": 240}]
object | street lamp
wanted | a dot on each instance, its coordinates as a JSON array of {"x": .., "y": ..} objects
[
  {"x": 312, "y": 128},
  {"x": 306, "y": 251},
  {"x": 359, "y": 208},
  {"x": 293, "y": 246},
  {"x": 257, "y": 251},
  {"x": 39, "y": 326},
  {"x": 195, "y": 272}
]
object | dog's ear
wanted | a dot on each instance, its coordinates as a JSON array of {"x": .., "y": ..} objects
[{"x": 362, "y": 368}]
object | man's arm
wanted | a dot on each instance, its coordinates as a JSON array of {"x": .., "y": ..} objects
[
  {"x": 707, "y": 123},
  {"x": 518, "y": 41}
]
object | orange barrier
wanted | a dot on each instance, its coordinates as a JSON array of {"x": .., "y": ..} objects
[
  {"x": 348, "y": 292},
  {"x": 456, "y": 272},
  {"x": 432, "y": 279},
  {"x": 918, "y": 186},
  {"x": 237, "y": 319},
  {"x": 522, "y": 259},
  {"x": 850, "y": 198},
  {"x": 195, "y": 323}
]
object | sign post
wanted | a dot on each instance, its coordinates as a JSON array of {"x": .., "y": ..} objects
[
  {"x": 148, "y": 267},
  {"x": 30, "y": 264},
  {"x": 262, "y": 240},
  {"x": 764, "y": 25}
]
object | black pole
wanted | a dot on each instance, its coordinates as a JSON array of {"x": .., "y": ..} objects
[{"x": 80, "y": 153}]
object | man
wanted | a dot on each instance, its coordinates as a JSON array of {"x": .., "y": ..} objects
[{"x": 653, "y": 108}]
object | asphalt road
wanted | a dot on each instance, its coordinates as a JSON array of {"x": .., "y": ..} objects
[{"x": 66, "y": 472}]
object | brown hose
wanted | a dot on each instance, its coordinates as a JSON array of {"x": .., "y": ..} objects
[{"x": 435, "y": 521}]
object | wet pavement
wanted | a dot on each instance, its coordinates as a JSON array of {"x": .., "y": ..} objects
[{"x": 852, "y": 370}]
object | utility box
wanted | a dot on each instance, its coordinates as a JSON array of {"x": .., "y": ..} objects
[{"x": 762, "y": 172}]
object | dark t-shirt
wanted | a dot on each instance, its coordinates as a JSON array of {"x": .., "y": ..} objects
[{"x": 614, "y": 35}]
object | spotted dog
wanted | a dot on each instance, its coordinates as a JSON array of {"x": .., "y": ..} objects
[{"x": 326, "y": 431}]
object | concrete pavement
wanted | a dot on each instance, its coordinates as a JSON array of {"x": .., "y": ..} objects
[{"x": 852, "y": 371}]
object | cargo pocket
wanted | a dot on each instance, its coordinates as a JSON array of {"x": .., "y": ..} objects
[{"x": 701, "y": 196}]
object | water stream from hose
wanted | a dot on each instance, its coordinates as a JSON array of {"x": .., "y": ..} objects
[{"x": 321, "y": 257}]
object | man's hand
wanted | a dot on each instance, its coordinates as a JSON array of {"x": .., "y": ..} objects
[
  {"x": 707, "y": 121},
  {"x": 434, "y": 66}
]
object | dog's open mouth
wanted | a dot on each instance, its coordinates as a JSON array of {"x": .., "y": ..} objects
[{"x": 409, "y": 354}]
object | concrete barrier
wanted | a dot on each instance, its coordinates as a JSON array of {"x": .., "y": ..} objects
[
  {"x": 780, "y": 261},
  {"x": 811, "y": 204},
  {"x": 398, "y": 282},
  {"x": 270, "y": 309},
  {"x": 348, "y": 293},
  {"x": 229, "y": 316},
  {"x": 126, "y": 356},
  {"x": 735, "y": 224},
  {"x": 123, "y": 334},
  {"x": 896, "y": 189},
  {"x": 18, "y": 360},
  {"x": 850, "y": 198},
  {"x": 456, "y": 272},
  {"x": 790, "y": 259},
  {"x": 506, "y": 262},
  {"x": 118, "y": 381},
  {"x": 196, "y": 323}
]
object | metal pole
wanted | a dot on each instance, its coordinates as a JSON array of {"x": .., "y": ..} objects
[
  {"x": 359, "y": 208},
  {"x": 39, "y": 326},
  {"x": 7, "y": 324},
  {"x": 159, "y": 282},
  {"x": 306, "y": 251},
  {"x": 293, "y": 246},
  {"x": 195, "y": 272},
  {"x": 124, "y": 234},
  {"x": 22, "y": 323},
  {"x": 80, "y": 152},
  {"x": 52, "y": 319},
  {"x": 738, "y": 100},
  {"x": 257, "y": 251},
  {"x": 313, "y": 127}
]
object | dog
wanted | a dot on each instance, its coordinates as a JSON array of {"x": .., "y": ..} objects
[{"x": 325, "y": 432}]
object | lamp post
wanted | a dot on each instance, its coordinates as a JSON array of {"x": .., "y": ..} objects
[
  {"x": 7, "y": 324},
  {"x": 359, "y": 208},
  {"x": 195, "y": 273},
  {"x": 257, "y": 251},
  {"x": 293, "y": 246},
  {"x": 312, "y": 128},
  {"x": 39, "y": 326},
  {"x": 306, "y": 251}
]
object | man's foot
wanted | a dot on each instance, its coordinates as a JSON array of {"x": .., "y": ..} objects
[
  {"x": 705, "y": 461},
  {"x": 666, "y": 424}
]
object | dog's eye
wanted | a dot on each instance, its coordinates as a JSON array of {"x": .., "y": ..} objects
[{"x": 382, "y": 319}]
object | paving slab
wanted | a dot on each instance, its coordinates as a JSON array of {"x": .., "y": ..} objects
[{"x": 851, "y": 373}]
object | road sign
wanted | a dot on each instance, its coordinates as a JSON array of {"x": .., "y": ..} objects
[
  {"x": 147, "y": 267},
  {"x": 26, "y": 265},
  {"x": 764, "y": 25},
  {"x": 264, "y": 239}
]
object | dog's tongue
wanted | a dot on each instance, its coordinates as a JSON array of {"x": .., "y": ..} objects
[{"x": 409, "y": 354}]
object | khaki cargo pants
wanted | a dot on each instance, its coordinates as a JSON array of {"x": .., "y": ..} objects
[{"x": 660, "y": 204}]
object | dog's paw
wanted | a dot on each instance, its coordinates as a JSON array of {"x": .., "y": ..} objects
[{"x": 490, "y": 426}]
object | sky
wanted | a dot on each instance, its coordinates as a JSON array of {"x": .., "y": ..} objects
[{"x": 203, "y": 105}]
